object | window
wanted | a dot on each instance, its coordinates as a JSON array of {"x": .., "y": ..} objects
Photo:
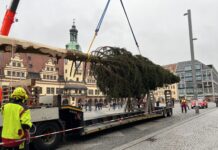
[
  {"x": 52, "y": 90},
  {"x": 198, "y": 73},
  {"x": 80, "y": 91},
  {"x": 76, "y": 91},
  {"x": 90, "y": 92},
  {"x": 13, "y": 73},
  {"x": 189, "y": 84},
  {"x": 47, "y": 77},
  {"x": 188, "y": 79},
  {"x": 48, "y": 68},
  {"x": 188, "y": 74},
  {"x": 48, "y": 90},
  {"x": 188, "y": 68},
  {"x": 77, "y": 79},
  {"x": 189, "y": 91},
  {"x": 18, "y": 65},
  {"x": 22, "y": 74},
  {"x": 65, "y": 70},
  {"x": 52, "y": 69},
  {"x": 18, "y": 74},
  {"x": 29, "y": 57},
  {"x": 200, "y": 90},
  {"x": 51, "y": 77},
  {"x": 55, "y": 78},
  {"x": 44, "y": 76},
  {"x": 14, "y": 64},
  {"x": 198, "y": 66},
  {"x": 198, "y": 78},
  {"x": 96, "y": 92},
  {"x": 40, "y": 90},
  {"x": 9, "y": 73},
  {"x": 182, "y": 91}
]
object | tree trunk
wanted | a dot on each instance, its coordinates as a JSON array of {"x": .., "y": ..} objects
[{"x": 129, "y": 105}]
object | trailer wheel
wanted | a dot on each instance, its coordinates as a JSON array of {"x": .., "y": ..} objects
[
  {"x": 164, "y": 113},
  {"x": 47, "y": 142},
  {"x": 169, "y": 112}
]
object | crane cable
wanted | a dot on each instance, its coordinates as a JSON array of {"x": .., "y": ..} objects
[
  {"x": 130, "y": 26},
  {"x": 98, "y": 28},
  {"x": 99, "y": 25}
]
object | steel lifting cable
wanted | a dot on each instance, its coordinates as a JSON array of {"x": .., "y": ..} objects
[
  {"x": 98, "y": 27},
  {"x": 130, "y": 26}
]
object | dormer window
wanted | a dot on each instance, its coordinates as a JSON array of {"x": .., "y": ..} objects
[{"x": 14, "y": 64}]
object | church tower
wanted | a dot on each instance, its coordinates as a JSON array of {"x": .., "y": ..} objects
[{"x": 73, "y": 44}]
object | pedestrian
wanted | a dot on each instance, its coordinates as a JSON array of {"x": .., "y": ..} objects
[
  {"x": 187, "y": 105},
  {"x": 114, "y": 105},
  {"x": 86, "y": 105},
  {"x": 16, "y": 120},
  {"x": 109, "y": 106},
  {"x": 90, "y": 105},
  {"x": 184, "y": 105},
  {"x": 173, "y": 101}
]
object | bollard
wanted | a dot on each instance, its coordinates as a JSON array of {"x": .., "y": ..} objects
[{"x": 197, "y": 109}]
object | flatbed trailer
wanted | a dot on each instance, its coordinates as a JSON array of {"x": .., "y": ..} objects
[{"x": 52, "y": 124}]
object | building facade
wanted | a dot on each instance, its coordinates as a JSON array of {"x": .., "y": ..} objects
[
  {"x": 206, "y": 79},
  {"x": 52, "y": 77},
  {"x": 159, "y": 93}
]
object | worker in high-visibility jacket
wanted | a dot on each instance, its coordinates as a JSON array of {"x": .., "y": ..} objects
[{"x": 16, "y": 120}]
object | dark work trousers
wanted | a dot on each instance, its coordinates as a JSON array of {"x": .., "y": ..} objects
[{"x": 184, "y": 107}]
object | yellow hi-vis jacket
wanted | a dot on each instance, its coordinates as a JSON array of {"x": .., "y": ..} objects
[{"x": 14, "y": 116}]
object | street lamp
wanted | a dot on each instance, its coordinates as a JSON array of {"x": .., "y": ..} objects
[{"x": 192, "y": 59}]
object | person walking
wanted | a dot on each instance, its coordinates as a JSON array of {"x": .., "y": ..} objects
[
  {"x": 184, "y": 105},
  {"x": 16, "y": 120},
  {"x": 86, "y": 105}
]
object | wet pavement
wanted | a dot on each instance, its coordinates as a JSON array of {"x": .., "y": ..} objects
[
  {"x": 197, "y": 133},
  {"x": 162, "y": 133}
]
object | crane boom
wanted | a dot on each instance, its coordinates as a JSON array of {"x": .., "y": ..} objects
[{"x": 9, "y": 18}]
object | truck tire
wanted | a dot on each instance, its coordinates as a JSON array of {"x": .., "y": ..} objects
[{"x": 48, "y": 142}]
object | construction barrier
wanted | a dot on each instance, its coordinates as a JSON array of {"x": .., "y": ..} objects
[{"x": 43, "y": 135}]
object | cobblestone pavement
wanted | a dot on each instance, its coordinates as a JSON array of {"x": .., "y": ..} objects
[
  {"x": 143, "y": 136},
  {"x": 197, "y": 133}
]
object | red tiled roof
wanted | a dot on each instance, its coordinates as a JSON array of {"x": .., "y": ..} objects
[{"x": 170, "y": 67}]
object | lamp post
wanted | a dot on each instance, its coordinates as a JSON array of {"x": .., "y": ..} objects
[{"x": 192, "y": 59}]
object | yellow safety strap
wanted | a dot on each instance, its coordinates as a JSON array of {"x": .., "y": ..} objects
[{"x": 90, "y": 46}]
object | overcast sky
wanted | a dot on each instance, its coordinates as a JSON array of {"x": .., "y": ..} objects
[{"x": 159, "y": 26}]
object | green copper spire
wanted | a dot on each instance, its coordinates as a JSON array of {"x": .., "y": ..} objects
[{"x": 73, "y": 45}]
